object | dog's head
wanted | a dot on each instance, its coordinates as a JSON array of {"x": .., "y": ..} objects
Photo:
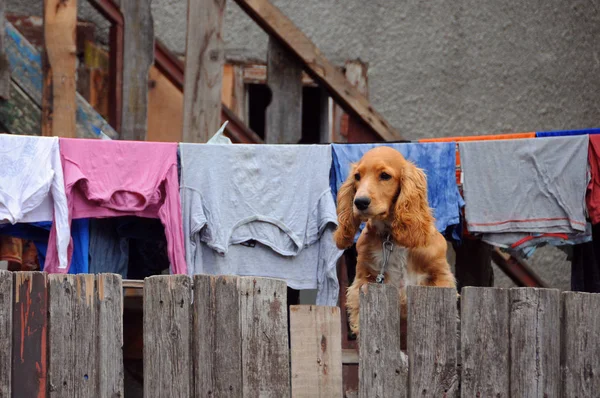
[{"x": 383, "y": 186}]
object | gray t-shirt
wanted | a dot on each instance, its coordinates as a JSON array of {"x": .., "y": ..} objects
[{"x": 275, "y": 195}]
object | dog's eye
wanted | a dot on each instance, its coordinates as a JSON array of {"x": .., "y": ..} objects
[
  {"x": 384, "y": 176},
  {"x": 357, "y": 177}
]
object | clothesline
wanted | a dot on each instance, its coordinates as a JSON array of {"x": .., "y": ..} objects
[{"x": 251, "y": 210}]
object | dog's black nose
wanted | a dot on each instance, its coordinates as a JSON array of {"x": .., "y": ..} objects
[{"x": 362, "y": 203}]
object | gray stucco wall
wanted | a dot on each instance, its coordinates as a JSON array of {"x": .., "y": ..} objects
[{"x": 440, "y": 67}]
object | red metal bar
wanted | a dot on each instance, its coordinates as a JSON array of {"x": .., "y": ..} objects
[{"x": 517, "y": 270}]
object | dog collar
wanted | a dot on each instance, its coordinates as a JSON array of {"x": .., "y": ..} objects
[{"x": 388, "y": 247}]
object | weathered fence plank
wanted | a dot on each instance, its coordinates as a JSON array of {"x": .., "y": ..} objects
[
  {"x": 109, "y": 295},
  {"x": 485, "y": 342},
  {"x": 30, "y": 325},
  {"x": 61, "y": 335},
  {"x": 85, "y": 325},
  {"x": 580, "y": 344},
  {"x": 138, "y": 50},
  {"x": 204, "y": 58},
  {"x": 217, "y": 340},
  {"x": 316, "y": 351},
  {"x": 284, "y": 113},
  {"x": 534, "y": 342},
  {"x": 382, "y": 366},
  {"x": 59, "y": 109},
  {"x": 167, "y": 338},
  {"x": 265, "y": 352},
  {"x": 6, "y": 328},
  {"x": 4, "y": 65},
  {"x": 432, "y": 348}
]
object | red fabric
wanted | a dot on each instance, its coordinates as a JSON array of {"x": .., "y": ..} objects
[{"x": 593, "y": 191}]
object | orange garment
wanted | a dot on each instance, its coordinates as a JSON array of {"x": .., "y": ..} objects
[
  {"x": 474, "y": 138},
  {"x": 11, "y": 249}
]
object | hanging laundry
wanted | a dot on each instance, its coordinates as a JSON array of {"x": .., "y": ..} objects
[
  {"x": 593, "y": 189},
  {"x": 438, "y": 161},
  {"x": 32, "y": 187},
  {"x": 275, "y": 200},
  {"x": 119, "y": 178},
  {"x": 560, "y": 133},
  {"x": 520, "y": 191}
]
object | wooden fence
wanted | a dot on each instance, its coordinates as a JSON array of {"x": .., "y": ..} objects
[{"x": 61, "y": 336}]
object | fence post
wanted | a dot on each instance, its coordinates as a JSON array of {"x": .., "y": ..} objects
[
  {"x": 217, "y": 339},
  {"x": 265, "y": 350},
  {"x": 316, "y": 350},
  {"x": 138, "y": 56},
  {"x": 204, "y": 59},
  {"x": 167, "y": 338},
  {"x": 580, "y": 344},
  {"x": 60, "y": 63},
  {"x": 382, "y": 364},
  {"x": 284, "y": 113},
  {"x": 109, "y": 295},
  {"x": 6, "y": 328},
  {"x": 485, "y": 342},
  {"x": 431, "y": 341},
  {"x": 534, "y": 342}
]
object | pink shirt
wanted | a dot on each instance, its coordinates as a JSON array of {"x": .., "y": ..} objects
[{"x": 122, "y": 178}]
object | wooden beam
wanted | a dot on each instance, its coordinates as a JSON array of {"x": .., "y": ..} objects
[
  {"x": 203, "y": 70},
  {"x": 280, "y": 27},
  {"x": 4, "y": 65},
  {"x": 59, "y": 108},
  {"x": 284, "y": 113},
  {"x": 138, "y": 50}
]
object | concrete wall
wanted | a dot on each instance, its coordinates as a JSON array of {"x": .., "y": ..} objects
[{"x": 440, "y": 67}]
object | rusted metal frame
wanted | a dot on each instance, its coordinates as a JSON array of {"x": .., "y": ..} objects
[
  {"x": 517, "y": 269},
  {"x": 166, "y": 62}
]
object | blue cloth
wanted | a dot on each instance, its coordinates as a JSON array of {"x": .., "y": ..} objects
[
  {"x": 39, "y": 233},
  {"x": 438, "y": 161},
  {"x": 566, "y": 132}
]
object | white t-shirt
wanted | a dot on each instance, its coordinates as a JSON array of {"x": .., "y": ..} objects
[{"x": 32, "y": 187}]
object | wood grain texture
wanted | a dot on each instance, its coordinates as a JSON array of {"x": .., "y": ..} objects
[
  {"x": 29, "y": 341},
  {"x": 138, "y": 50},
  {"x": 203, "y": 70},
  {"x": 264, "y": 328},
  {"x": 217, "y": 338},
  {"x": 165, "y": 109},
  {"x": 6, "y": 330},
  {"x": 284, "y": 113},
  {"x": 432, "y": 348},
  {"x": 485, "y": 342},
  {"x": 316, "y": 351},
  {"x": 534, "y": 342},
  {"x": 60, "y": 27},
  {"x": 5, "y": 84},
  {"x": 167, "y": 337},
  {"x": 580, "y": 344},
  {"x": 382, "y": 366},
  {"x": 279, "y": 26},
  {"x": 109, "y": 296},
  {"x": 20, "y": 115},
  {"x": 26, "y": 66}
]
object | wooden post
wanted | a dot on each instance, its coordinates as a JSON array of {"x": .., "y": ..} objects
[
  {"x": 217, "y": 340},
  {"x": 382, "y": 365},
  {"x": 109, "y": 296},
  {"x": 264, "y": 328},
  {"x": 204, "y": 60},
  {"x": 4, "y": 64},
  {"x": 485, "y": 342},
  {"x": 316, "y": 346},
  {"x": 138, "y": 50},
  {"x": 534, "y": 342},
  {"x": 432, "y": 351},
  {"x": 167, "y": 337},
  {"x": 29, "y": 338},
  {"x": 284, "y": 113},
  {"x": 580, "y": 344},
  {"x": 347, "y": 127},
  {"x": 6, "y": 330},
  {"x": 59, "y": 98}
]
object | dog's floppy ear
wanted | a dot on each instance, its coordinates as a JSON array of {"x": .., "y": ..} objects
[
  {"x": 412, "y": 215},
  {"x": 347, "y": 223}
]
